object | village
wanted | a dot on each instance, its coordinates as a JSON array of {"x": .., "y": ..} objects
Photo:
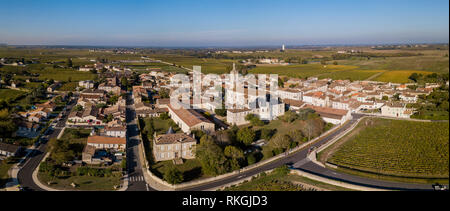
[{"x": 103, "y": 107}]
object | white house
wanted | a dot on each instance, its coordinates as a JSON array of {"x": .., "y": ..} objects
[{"x": 396, "y": 110}]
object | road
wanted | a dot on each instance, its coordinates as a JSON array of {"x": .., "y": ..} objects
[
  {"x": 300, "y": 161},
  {"x": 136, "y": 181},
  {"x": 32, "y": 162}
]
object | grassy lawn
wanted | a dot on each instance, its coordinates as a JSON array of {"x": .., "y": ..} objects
[
  {"x": 191, "y": 169},
  {"x": 75, "y": 135},
  {"x": 10, "y": 94},
  {"x": 88, "y": 183},
  {"x": 394, "y": 149}
]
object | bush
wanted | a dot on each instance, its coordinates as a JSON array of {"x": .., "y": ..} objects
[
  {"x": 173, "y": 176},
  {"x": 267, "y": 133},
  {"x": 246, "y": 136},
  {"x": 251, "y": 159},
  {"x": 282, "y": 170},
  {"x": 164, "y": 116}
]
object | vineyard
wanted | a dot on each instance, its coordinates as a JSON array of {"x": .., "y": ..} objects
[{"x": 397, "y": 148}]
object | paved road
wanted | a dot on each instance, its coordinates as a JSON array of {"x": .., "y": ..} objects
[
  {"x": 32, "y": 162},
  {"x": 300, "y": 161},
  {"x": 136, "y": 181}
]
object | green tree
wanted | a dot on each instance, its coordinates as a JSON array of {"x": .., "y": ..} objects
[
  {"x": 211, "y": 157},
  {"x": 246, "y": 136},
  {"x": 233, "y": 152},
  {"x": 267, "y": 133},
  {"x": 173, "y": 176},
  {"x": 251, "y": 159},
  {"x": 69, "y": 63},
  {"x": 281, "y": 142}
]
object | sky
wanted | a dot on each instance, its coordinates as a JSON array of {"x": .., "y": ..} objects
[{"x": 172, "y": 23}]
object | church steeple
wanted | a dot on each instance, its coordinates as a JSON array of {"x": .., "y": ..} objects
[{"x": 234, "y": 71}]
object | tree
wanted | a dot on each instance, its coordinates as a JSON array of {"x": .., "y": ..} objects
[
  {"x": 164, "y": 93},
  {"x": 78, "y": 108},
  {"x": 414, "y": 77},
  {"x": 211, "y": 157},
  {"x": 124, "y": 82},
  {"x": 280, "y": 83},
  {"x": 101, "y": 105},
  {"x": 281, "y": 142},
  {"x": 251, "y": 159},
  {"x": 233, "y": 152},
  {"x": 173, "y": 176},
  {"x": 7, "y": 126},
  {"x": 289, "y": 116},
  {"x": 335, "y": 63},
  {"x": 246, "y": 136},
  {"x": 164, "y": 116},
  {"x": 267, "y": 133},
  {"x": 385, "y": 97},
  {"x": 254, "y": 120},
  {"x": 69, "y": 63},
  {"x": 221, "y": 112}
]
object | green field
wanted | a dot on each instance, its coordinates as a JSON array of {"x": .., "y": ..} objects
[
  {"x": 398, "y": 76},
  {"x": 69, "y": 86},
  {"x": 432, "y": 61},
  {"x": 397, "y": 67},
  {"x": 278, "y": 182},
  {"x": 302, "y": 70},
  {"x": 353, "y": 75},
  {"x": 10, "y": 94},
  {"x": 395, "y": 148}
]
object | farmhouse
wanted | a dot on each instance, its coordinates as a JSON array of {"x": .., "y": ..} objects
[
  {"x": 116, "y": 131},
  {"x": 189, "y": 120},
  {"x": 332, "y": 115},
  {"x": 9, "y": 150},
  {"x": 396, "y": 110},
  {"x": 86, "y": 84},
  {"x": 103, "y": 142},
  {"x": 294, "y": 104},
  {"x": 173, "y": 146}
]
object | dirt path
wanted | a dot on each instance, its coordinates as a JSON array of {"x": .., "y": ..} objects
[{"x": 375, "y": 76}]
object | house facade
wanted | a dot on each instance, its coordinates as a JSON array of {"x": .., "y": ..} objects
[{"x": 173, "y": 146}]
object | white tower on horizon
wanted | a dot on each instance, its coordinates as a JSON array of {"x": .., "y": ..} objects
[{"x": 283, "y": 48}]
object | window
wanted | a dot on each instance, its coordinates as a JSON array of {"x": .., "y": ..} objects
[
  {"x": 184, "y": 153},
  {"x": 169, "y": 147},
  {"x": 162, "y": 155}
]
